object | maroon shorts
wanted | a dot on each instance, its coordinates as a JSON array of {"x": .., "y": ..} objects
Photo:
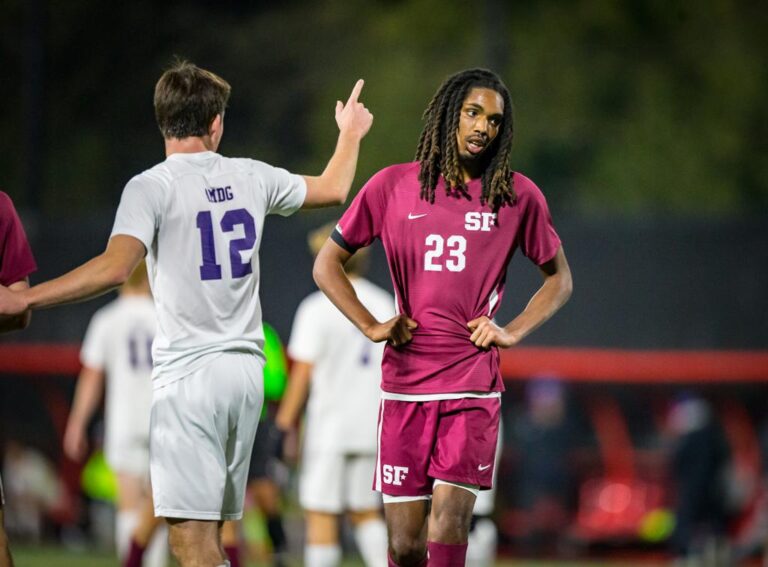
[{"x": 450, "y": 440}]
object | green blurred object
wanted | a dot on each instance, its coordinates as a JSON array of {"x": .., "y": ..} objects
[
  {"x": 657, "y": 525},
  {"x": 98, "y": 480},
  {"x": 276, "y": 368}
]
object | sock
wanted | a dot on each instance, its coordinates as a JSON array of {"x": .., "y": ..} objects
[
  {"x": 134, "y": 556},
  {"x": 276, "y": 533},
  {"x": 322, "y": 555},
  {"x": 371, "y": 539},
  {"x": 125, "y": 523},
  {"x": 156, "y": 554},
  {"x": 446, "y": 554},
  {"x": 233, "y": 552},
  {"x": 481, "y": 551}
]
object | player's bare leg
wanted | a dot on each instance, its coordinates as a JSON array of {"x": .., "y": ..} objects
[
  {"x": 449, "y": 523},
  {"x": 322, "y": 548},
  {"x": 370, "y": 536},
  {"x": 230, "y": 541},
  {"x": 196, "y": 543},
  {"x": 407, "y": 532},
  {"x": 5, "y": 551},
  {"x": 266, "y": 494},
  {"x": 148, "y": 524}
]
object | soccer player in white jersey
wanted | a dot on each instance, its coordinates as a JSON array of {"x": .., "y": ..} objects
[
  {"x": 339, "y": 370},
  {"x": 198, "y": 218},
  {"x": 117, "y": 350}
]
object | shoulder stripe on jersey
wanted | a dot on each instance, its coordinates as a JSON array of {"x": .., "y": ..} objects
[{"x": 339, "y": 239}]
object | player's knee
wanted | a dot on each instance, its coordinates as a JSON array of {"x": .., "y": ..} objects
[
  {"x": 450, "y": 525},
  {"x": 406, "y": 551}
]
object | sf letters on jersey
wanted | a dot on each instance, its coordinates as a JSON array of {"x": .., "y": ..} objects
[
  {"x": 479, "y": 221},
  {"x": 393, "y": 475}
]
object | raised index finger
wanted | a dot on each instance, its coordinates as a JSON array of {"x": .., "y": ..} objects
[{"x": 356, "y": 91}]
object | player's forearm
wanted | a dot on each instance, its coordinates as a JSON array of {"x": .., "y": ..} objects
[
  {"x": 16, "y": 322},
  {"x": 295, "y": 397},
  {"x": 333, "y": 185},
  {"x": 96, "y": 277},
  {"x": 330, "y": 277},
  {"x": 550, "y": 297},
  {"x": 90, "y": 388}
]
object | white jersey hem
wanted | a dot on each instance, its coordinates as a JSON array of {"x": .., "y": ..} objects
[{"x": 435, "y": 397}]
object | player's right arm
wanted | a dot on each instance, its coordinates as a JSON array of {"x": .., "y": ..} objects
[
  {"x": 96, "y": 277},
  {"x": 333, "y": 185},
  {"x": 291, "y": 406},
  {"x": 88, "y": 394},
  {"x": 331, "y": 278}
]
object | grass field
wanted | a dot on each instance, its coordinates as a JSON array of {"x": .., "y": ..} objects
[{"x": 60, "y": 557}]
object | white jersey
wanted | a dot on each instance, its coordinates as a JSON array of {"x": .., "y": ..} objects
[
  {"x": 345, "y": 387},
  {"x": 118, "y": 342},
  {"x": 201, "y": 218}
]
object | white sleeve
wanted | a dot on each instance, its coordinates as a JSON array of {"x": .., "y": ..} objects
[
  {"x": 285, "y": 191},
  {"x": 305, "y": 343},
  {"x": 93, "y": 350},
  {"x": 138, "y": 214}
]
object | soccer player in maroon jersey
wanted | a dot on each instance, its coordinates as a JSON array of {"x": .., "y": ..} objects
[
  {"x": 450, "y": 223},
  {"x": 16, "y": 263}
]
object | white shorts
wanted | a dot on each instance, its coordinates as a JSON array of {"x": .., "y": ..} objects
[
  {"x": 337, "y": 482},
  {"x": 201, "y": 434},
  {"x": 128, "y": 453}
]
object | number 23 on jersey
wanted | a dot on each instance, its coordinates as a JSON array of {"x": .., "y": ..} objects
[{"x": 450, "y": 252}]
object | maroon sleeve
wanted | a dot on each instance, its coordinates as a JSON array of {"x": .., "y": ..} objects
[
  {"x": 362, "y": 222},
  {"x": 16, "y": 260},
  {"x": 539, "y": 239}
]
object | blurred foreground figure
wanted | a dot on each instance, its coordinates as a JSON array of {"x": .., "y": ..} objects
[
  {"x": 198, "y": 217},
  {"x": 117, "y": 353},
  {"x": 16, "y": 263},
  {"x": 450, "y": 223},
  {"x": 336, "y": 372},
  {"x": 699, "y": 460},
  {"x": 543, "y": 441}
]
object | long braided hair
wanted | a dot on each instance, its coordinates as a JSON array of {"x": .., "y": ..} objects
[{"x": 438, "y": 152}]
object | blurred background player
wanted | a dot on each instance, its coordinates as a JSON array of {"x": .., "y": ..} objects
[
  {"x": 336, "y": 371},
  {"x": 16, "y": 263},
  {"x": 117, "y": 350},
  {"x": 483, "y": 534},
  {"x": 265, "y": 468}
]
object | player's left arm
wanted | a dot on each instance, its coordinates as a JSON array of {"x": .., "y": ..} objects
[
  {"x": 20, "y": 321},
  {"x": 550, "y": 297},
  {"x": 97, "y": 276}
]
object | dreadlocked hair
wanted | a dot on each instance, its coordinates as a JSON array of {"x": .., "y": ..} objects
[{"x": 438, "y": 153}]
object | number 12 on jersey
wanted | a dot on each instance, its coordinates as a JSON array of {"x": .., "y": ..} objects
[{"x": 211, "y": 270}]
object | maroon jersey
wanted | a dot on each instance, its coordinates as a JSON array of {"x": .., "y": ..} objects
[
  {"x": 16, "y": 260},
  {"x": 448, "y": 263}
]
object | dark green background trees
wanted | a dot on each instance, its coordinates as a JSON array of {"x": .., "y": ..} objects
[{"x": 621, "y": 107}]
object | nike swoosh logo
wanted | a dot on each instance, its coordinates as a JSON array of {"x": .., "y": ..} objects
[
  {"x": 411, "y": 216},
  {"x": 483, "y": 468}
]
